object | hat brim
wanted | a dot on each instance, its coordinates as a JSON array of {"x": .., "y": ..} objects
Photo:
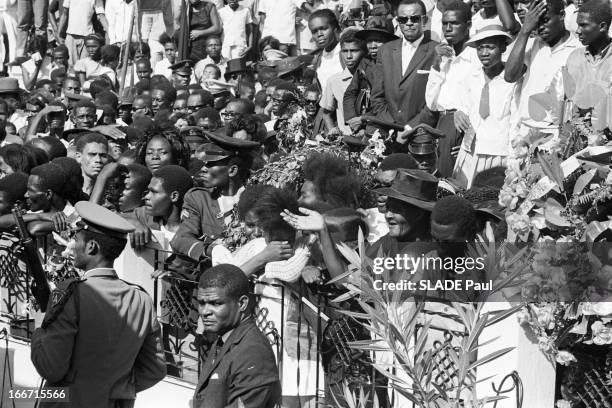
[
  {"x": 353, "y": 141},
  {"x": 393, "y": 193},
  {"x": 230, "y": 141},
  {"x": 363, "y": 35},
  {"x": 473, "y": 41}
]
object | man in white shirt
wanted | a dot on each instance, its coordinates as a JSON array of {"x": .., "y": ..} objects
[
  {"x": 277, "y": 18},
  {"x": 119, "y": 16},
  {"x": 237, "y": 30},
  {"x": 454, "y": 63},
  {"x": 77, "y": 22},
  {"x": 495, "y": 12},
  {"x": 213, "y": 51},
  {"x": 352, "y": 51},
  {"x": 324, "y": 27},
  {"x": 541, "y": 63}
]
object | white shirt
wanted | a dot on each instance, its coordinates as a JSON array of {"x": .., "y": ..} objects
[
  {"x": 493, "y": 133},
  {"x": 543, "y": 71},
  {"x": 118, "y": 14},
  {"x": 163, "y": 68},
  {"x": 445, "y": 85},
  {"x": 408, "y": 50},
  {"x": 330, "y": 65},
  {"x": 333, "y": 97},
  {"x": 435, "y": 22},
  {"x": 198, "y": 70},
  {"x": 571, "y": 13},
  {"x": 80, "y": 15},
  {"x": 226, "y": 203},
  {"x": 280, "y": 19},
  {"x": 234, "y": 26},
  {"x": 479, "y": 22}
]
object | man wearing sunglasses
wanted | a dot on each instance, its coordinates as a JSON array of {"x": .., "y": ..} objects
[{"x": 399, "y": 93}]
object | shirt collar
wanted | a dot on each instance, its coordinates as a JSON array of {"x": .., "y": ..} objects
[
  {"x": 602, "y": 54},
  {"x": 100, "y": 272},
  {"x": 346, "y": 74},
  {"x": 415, "y": 44}
]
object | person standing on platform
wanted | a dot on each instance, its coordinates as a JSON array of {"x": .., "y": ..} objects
[{"x": 100, "y": 337}]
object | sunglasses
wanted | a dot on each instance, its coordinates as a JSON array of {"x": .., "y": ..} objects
[
  {"x": 413, "y": 19},
  {"x": 311, "y": 102}
]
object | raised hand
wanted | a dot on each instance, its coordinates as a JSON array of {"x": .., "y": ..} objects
[{"x": 311, "y": 221}]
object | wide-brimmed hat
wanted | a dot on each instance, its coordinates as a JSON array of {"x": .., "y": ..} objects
[
  {"x": 274, "y": 55},
  {"x": 231, "y": 143},
  {"x": 485, "y": 201},
  {"x": 489, "y": 31},
  {"x": 288, "y": 65},
  {"x": 355, "y": 143},
  {"x": 377, "y": 27},
  {"x": 415, "y": 187},
  {"x": 9, "y": 85}
]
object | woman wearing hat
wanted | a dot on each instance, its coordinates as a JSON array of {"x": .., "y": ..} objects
[{"x": 486, "y": 106}]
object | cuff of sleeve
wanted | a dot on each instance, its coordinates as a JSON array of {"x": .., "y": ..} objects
[{"x": 196, "y": 250}]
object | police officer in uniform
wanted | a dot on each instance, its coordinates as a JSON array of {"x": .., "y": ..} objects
[
  {"x": 423, "y": 146},
  {"x": 181, "y": 72},
  {"x": 100, "y": 337}
]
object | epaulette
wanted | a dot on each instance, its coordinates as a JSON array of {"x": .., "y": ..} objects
[
  {"x": 59, "y": 298},
  {"x": 133, "y": 284}
]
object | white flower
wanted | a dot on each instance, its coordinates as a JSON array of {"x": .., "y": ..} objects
[
  {"x": 545, "y": 317},
  {"x": 565, "y": 358},
  {"x": 518, "y": 223},
  {"x": 523, "y": 316},
  {"x": 601, "y": 334},
  {"x": 563, "y": 404}
]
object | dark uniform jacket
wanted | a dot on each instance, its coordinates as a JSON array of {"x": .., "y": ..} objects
[
  {"x": 100, "y": 338},
  {"x": 400, "y": 97},
  {"x": 244, "y": 368},
  {"x": 358, "y": 93},
  {"x": 200, "y": 217}
]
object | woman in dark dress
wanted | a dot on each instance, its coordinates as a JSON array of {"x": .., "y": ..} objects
[{"x": 203, "y": 22}]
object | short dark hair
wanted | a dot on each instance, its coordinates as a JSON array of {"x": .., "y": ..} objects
[
  {"x": 110, "y": 53},
  {"x": 62, "y": 49},
  {"x": 55, "y": 148},
  {"x": 455, "y": 210},
  {"x": 349, "y": 36},
  {"x": 18, "y": 158},
  {"x": 174, "y": 178},
  {"x": 141, "y": 173},
  {"x": 107, "y": 98},
  {"x": 227, "y": 277},
  {"x": 14, "y": 186},
  {"x": 249, "y": 197},
  {"x": 555, "y": 6},
  {"x": 599, "y": 10},
  {"x": 268, "y": 209},
  {"x": 247, "y": 106},
  {"x": 335, "y": 184},
  {"x": 87, "y": 138},
  {"x": 74, "y": 178},
  {"x": 328, "y": 14},
  {"x": 165, "y": 39},
  {"x": 216, "y": 67},
  {"x": 85, "y": 104},
  {"x": 52, "y": 177},
  {"x": 207, "y": 98},
  {"x": 410, "y": 2},
  {"x": 208, "y": 112},
  {"x": 166, "y": 87},
  {"x": 462, "y": 9},
  {"x": 211, "y": 37},
  {"x": 110, "y": 247},
  {"x": 100, "y": 84},
  {"x": 250, "y": 124}
]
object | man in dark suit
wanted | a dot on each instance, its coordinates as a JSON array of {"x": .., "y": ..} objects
[
  {"x": 240, "y": 369},
  {"x": 399, "y": 93}
]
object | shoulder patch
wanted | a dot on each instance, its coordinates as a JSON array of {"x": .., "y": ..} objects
[
  {"x": 184, "y": 214},
  {"x": 59, "y": 298}
]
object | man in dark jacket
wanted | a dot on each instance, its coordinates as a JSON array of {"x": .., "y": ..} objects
[
  {"x": 398, "y": 95},
  {"x": 240, "y": 369}
]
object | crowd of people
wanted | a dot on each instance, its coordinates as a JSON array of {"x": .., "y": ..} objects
[{"x": 160, "y": 111}]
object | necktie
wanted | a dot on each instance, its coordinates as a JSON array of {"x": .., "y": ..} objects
[
  {"x": 484, "y": 100},
  {"x": 218, "y": 345}
]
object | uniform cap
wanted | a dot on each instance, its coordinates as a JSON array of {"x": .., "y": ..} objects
[
  {"x": 422, "y": 139},
  {"x": 184, "y": 66},
  {"x": 98, "y": 219}
]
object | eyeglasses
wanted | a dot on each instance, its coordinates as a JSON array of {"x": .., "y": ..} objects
[
  {"x": 311, "y": 102},
  {"x": 413, "y": 19},
  {"x": 228, "y": 114}
]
